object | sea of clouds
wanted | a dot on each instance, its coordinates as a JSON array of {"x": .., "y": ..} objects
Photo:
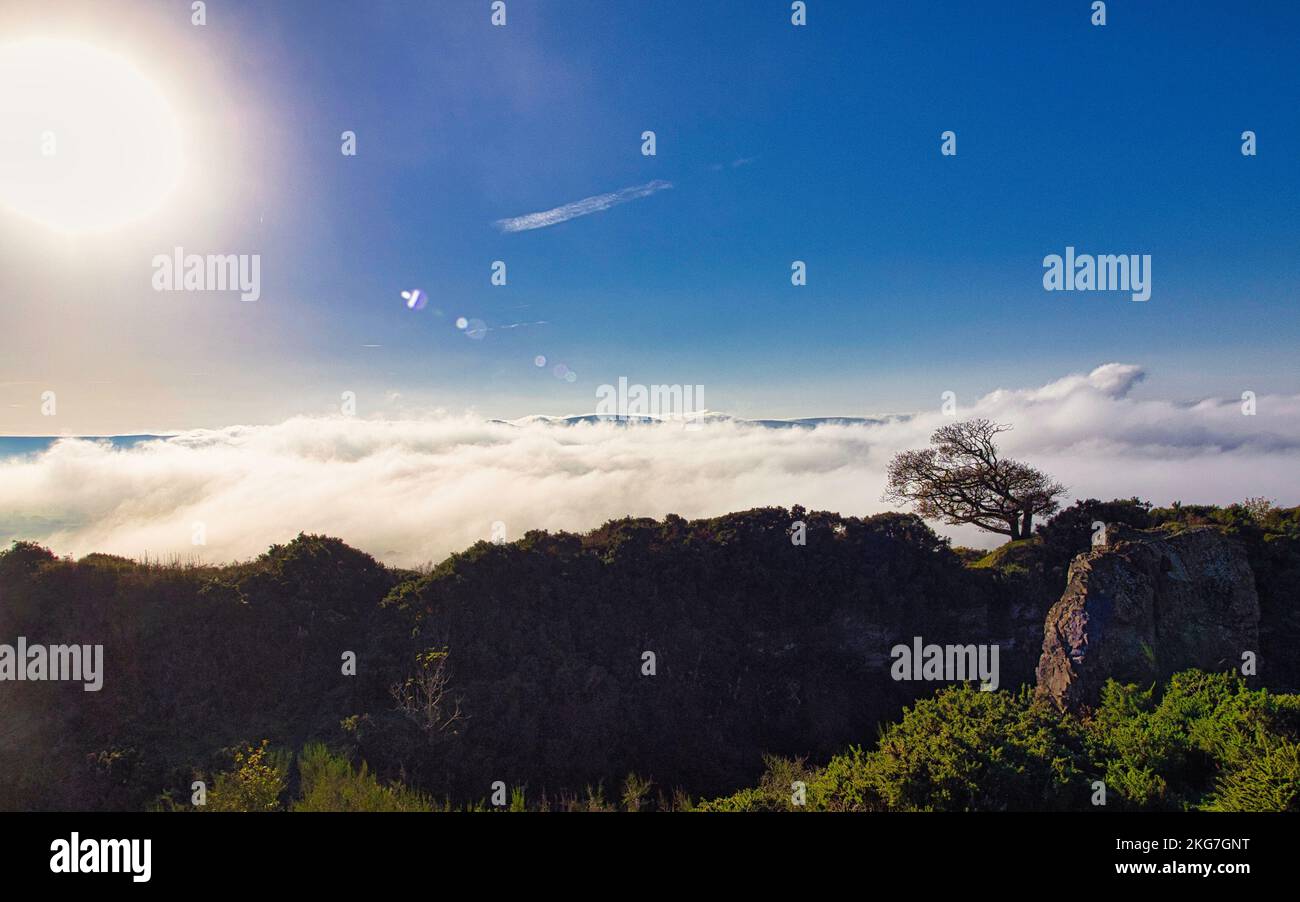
[{"x": 411, "y": 491}]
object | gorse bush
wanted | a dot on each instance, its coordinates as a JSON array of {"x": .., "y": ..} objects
[
  {"x": 959, "y": 750},
  {"x": 966, "y": 749},
  {"x": 1269, "y": 781},
  {"x": 330, "y": 783},
  {"x": 1197, "y": 746},
  {"x": 1207, "y": 741}
]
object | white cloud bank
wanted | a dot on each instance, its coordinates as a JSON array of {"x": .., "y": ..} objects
[
  {"x": 585, "y": 207},
  {"x": 412, "y": 491}
]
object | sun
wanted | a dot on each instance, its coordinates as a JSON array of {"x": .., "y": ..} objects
[{"x": 87, "y": 141}]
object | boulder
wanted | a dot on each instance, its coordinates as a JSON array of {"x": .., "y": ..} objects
[{"x": 1145, "y": 605}]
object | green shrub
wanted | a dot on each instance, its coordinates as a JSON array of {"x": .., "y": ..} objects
[
  {"x": 255, "y": 784},
  {"x": 1207, "y": 741},
  {"x": 845, "y": 784},
  {"x": 963, "y": 749},
  {"x": 1269, "y": 781},
  {"x": 775, "y": 790},
  {"x": 329, "y": 783},
  {"x": 1204, "y": 728}
]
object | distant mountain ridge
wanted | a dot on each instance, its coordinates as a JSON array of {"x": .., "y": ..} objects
[{"x": 708, "y": 417}]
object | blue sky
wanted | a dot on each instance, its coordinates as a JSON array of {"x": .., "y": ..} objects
[{"x": 924, "y": 270}]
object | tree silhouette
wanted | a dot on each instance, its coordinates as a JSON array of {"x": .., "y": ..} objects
[{"x": 961, "y": 479}]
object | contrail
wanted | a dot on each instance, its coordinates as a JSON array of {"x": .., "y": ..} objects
[{"x": 584, "y": 207}]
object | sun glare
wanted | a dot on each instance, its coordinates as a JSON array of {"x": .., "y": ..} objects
[{"x": 88, "y": 143}]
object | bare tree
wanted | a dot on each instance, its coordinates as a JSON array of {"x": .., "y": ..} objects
[
  {"x": 961, "y": 479},
  {"x": 423, "y": 697}
]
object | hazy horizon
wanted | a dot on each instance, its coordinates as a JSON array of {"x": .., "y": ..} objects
[{"x": 409, "y": 491}]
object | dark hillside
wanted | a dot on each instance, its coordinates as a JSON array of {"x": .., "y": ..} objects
[{"x": 525, "y": 662}]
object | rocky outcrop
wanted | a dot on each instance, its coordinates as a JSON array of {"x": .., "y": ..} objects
[{"x": 1145, "y": 605}]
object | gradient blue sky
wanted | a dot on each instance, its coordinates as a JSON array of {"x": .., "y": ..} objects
[{"x": 924, "y": 271}]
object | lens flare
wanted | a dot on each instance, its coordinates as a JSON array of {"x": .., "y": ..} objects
[{"x": 415, "y": 299}]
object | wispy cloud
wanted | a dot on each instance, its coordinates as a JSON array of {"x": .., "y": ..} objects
[
  {"x": 585, "y": 207},
  {"x": 540, "y": 322},
  {"x": 735, "y": 164}
]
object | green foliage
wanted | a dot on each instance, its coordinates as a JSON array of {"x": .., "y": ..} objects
[
  {"x": 958, "y": 750},
  {"x": 1207, "y": 741},
  {"x": 254, "y": 784},
  {"x": 774, "y": 792},
  {"x": 1269, "y": 781},
  {"x": 635, "y": 792},
  {"x": 1018, "y": 556},
  {"x": 969, "y": 556},
  {"x": 845, "y": 784},
  {"x": 1134, "y": 750},
  {"x": 330, "y": 783},
  {"x": 962, "y": 750},
  {"x": 1168, "y": 753},
  {"x": 594, "y": 801},
  {"x": 1254, "y": 516}
]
